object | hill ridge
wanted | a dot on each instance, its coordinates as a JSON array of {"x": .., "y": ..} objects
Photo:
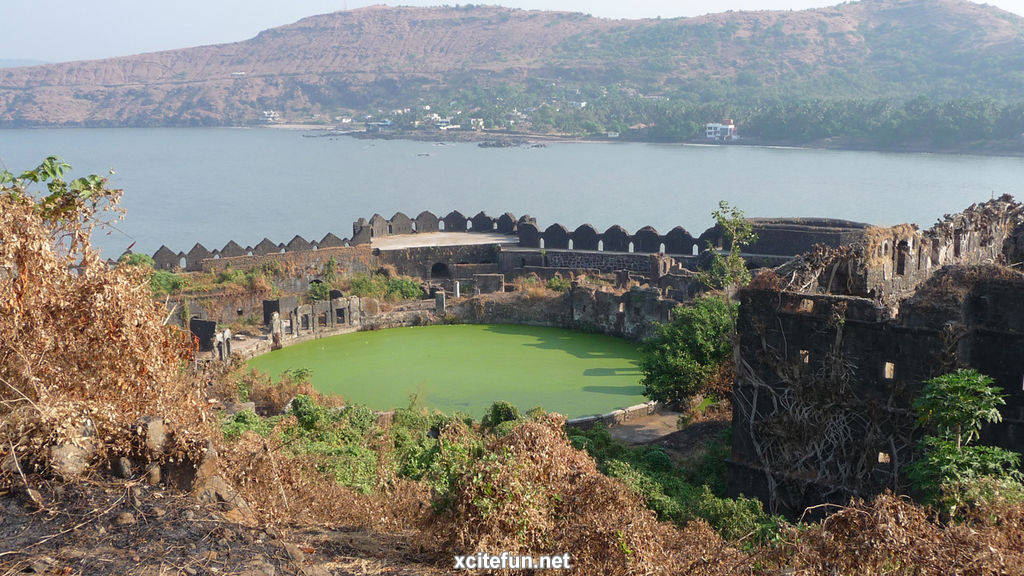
[{"x": 394, "y": 56}]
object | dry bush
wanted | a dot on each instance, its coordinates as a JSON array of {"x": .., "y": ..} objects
[
  {"x": 285, "y": 488},
  {"x": 532, "y": 288},
  {"x": 765, "y": 279},
  {"x": 536, "y": 494},
  {"x": 242, "y": 384},
  {"x": 894, "y": 536},
  {"x": 82, "y": 346}
]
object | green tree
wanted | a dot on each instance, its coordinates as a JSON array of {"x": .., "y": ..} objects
[
  {"x": 950, "y": 469},
  {"x": 730, "y": 270},
  {"x": 686, "y": 353},
  {"x": 137, "y": 259},
  {"x": 319, "y": 291}
]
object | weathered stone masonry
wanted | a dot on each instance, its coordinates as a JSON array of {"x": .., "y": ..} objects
[{"x": 830, "y": 359}]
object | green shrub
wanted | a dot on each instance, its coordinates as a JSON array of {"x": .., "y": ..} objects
[
  {"x": 367, "y": 286},
  {"x": 243, "y": 422},
  {"x": 384, "y": 287},
  {"x": 500, "y": 412},
  {"x": 558, "y": 284},
  {"x": 671, "y": 490},
  {"x": 319, "y": 291},
  {"x": 307, "y": 411},
  {"x": 686, "y": 353},
  {"x": 229, "y": 276},
  {"x": 402, "y": 288},
  {"x": 134, "y": 259},
  {"x": 163, "y": 283},
  {"x": 955, "y": 406}
]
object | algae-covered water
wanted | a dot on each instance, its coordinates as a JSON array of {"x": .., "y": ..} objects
[{"x": 464, "y": 368}]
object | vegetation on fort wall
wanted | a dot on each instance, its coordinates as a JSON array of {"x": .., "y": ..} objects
[{"x": 384, "y": 287}]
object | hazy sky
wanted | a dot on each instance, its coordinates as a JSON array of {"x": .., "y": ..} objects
[{"x": 59, "y": 30}]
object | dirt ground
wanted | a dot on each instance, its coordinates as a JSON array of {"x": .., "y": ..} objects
[
  {"x": 126, "y": 527},
  {"x": 646, "y": 429},
  {"x": 661, "y": 429}
]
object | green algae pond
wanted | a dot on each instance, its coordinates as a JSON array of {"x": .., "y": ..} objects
[{"x": 464, "y": 368}]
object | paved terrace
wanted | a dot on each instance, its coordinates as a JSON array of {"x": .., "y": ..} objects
[{"x": 427, "y": 239}]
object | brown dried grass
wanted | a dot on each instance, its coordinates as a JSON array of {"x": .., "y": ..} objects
[
  {"x": 892, "y": 535},
  {"x": 285, "y": 488},
  {"x": 82, "y": 345},
  {"x": 536, "y": 494},
  {"x": 270, "y": 397}
]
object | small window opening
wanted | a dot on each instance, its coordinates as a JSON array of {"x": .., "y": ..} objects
[{"x": 890, "y": 371}]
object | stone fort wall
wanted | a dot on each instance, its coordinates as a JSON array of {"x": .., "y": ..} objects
[
  {"x": 780, "y": 237},
  {"x": 783, "y": 237},
  {"x": 831, "y": 357}
]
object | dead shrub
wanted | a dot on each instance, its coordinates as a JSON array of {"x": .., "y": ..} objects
[
  {"x": 285, "y": 488},
  {"x": 532, "y": 288},
  {"x": 83, "y": 347},
  {"x": 891, "y": 535},
  {"x": 535, "y": 494},
  {"x": 249, "y": 385}
]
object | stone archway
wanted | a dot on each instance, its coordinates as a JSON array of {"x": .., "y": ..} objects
[{"x": 440, "y": 270}]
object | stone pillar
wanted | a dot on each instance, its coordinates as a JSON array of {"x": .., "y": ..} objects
[
  {"x": 458, "y": 289},
  {"x": 227, "y": 345},
  {"x": 276, "y": 332},
  {"x": 439, "y": 302}
]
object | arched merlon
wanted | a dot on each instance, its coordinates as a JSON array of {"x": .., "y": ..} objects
[{"x": 776, "y": 237}]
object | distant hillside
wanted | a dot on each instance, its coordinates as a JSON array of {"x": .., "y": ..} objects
[{"x": 394, "y": 56}]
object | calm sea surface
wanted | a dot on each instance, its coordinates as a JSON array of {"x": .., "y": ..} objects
[{"x": 213, "y": 185}]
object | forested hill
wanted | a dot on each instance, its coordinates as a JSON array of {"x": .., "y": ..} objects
[{"x": 355, "y": 60}]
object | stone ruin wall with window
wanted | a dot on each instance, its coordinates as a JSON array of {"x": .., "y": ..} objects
[{"x": 834, "y": 346}]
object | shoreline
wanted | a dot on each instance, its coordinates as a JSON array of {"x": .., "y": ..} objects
[
  {"x": 526, "y": 139},
  {"x": 1001, "y": 149}
]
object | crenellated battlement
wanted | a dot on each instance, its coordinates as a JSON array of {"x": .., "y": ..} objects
[
  {"x": 192, "y": 261},
  {"x": 776, "y": 237},
  {"x": 364, "y": 231}
]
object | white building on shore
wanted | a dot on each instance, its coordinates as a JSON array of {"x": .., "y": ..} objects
[{"x": 724, "y": 131}]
